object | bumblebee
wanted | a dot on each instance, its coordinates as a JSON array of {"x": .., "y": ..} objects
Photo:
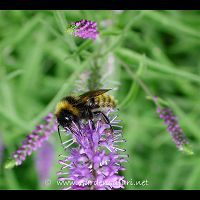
[{"x": 84, "y": 107}]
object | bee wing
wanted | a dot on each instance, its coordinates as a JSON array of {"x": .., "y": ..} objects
[{"x": 88, "y": 95}]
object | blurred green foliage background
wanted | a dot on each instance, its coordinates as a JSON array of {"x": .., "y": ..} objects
[{"x": 40, "y": 63}]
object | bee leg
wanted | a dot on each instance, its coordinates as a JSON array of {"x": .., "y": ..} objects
[
  {"x": 93, "y": 125},
  {"x": 91, "y": 117},
  {"x": 59, "y": 134},
  {"x": 105, "y": 119}
]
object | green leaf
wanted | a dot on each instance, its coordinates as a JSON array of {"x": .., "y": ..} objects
[{"x": 132, "y": 57}]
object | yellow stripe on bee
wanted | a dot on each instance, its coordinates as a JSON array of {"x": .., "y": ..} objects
[
  {"x": 105, "y": 100},
  {"x": 65, "y": 105}
]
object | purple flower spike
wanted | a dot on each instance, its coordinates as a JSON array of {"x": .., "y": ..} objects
[
  {"x": 85, "y": 29},
  {"x": 95, "y": 163},
  {"x": 35, "y": 139},
  {"x": 173, "y": 127},
  {"x": 44, "y": 161}
]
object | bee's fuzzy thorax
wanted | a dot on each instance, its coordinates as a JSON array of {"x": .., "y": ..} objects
[{"x": 65, "y": 105}]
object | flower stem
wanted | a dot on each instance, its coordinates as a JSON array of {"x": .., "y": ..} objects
[{"x": 141, "y": 83}]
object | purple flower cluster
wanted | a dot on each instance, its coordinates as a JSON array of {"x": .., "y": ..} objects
[
  {"x": 173, "y": 127},
  {"x": 95, "y": 161},
  {"x": 85, "y": 29},
  {"x": 35, "y": 139}
]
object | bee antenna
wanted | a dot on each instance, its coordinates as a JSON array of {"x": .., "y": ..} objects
[{"x": 59, "y": 134}]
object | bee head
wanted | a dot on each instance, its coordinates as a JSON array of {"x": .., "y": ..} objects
[{"x": 65, "y": 118}]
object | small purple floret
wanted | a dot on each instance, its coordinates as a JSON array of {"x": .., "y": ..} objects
[{"x": 85, "y": 29}]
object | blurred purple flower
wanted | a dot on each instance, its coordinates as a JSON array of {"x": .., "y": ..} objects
[
  {"x": 44, "y": 161},
  {"x": 35, "y": 139},
  {"x": 96, "y": 161},
  {"x": 173, "y": 127},
  {"x": 85, "y": 29}
]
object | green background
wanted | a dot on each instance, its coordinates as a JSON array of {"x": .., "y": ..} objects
[{"x": 40, "y": 63}]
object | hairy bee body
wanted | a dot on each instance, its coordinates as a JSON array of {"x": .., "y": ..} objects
[
  {"x": 105, "y": 100},
  {"x": 75, "y": 108}
]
